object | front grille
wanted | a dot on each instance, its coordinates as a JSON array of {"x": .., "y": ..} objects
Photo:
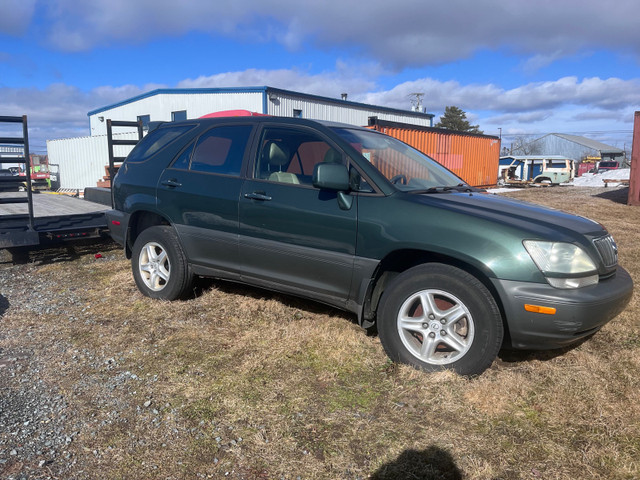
[{"x": 608, "y": 250}]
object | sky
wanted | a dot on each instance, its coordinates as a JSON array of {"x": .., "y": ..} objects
[{"x": 518, "y": 68}]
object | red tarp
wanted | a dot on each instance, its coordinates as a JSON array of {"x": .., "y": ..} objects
[{"x": 234, "y": 113}]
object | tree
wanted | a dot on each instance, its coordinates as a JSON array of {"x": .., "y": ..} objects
[
  {"x": 455, "y": 118},
  {"x": 524, "y": 145}
]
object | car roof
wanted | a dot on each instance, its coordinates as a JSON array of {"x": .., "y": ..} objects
[{"x": 263, "y": 119}]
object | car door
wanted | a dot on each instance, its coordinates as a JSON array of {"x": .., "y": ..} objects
[
  {"x": 199, "y": 193},
  {"x": 293, "y": 236}
]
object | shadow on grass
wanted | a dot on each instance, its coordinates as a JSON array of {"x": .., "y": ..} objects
[
  {"x": 508, "y": 356},
  {"x": 617, "y": 195},
  {"x": 202, "y": 284},
  {"x": 66, "y": 252},
  {"x": 430, "y": 464}
]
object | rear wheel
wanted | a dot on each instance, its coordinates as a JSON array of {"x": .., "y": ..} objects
[
  {"x": 438, "y": 317},
  {"x": 159, "y": 265}
]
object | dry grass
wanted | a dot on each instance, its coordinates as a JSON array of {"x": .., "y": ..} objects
[{"x": 249, "y": 384}]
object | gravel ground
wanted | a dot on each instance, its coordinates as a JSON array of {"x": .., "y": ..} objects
[{"x": 37, "y": 425}]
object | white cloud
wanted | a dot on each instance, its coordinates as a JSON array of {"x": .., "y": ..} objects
[
  {"x": 330, "y": 84},
  {"x": 541, "y": 60},
  {"x": 564, "y": 105},
  {"x": 611, "y": 93},
  {"x": 519, "y": 118},
  {"x": 402, "y": 33},
  {"x": 60, "y": 111}
]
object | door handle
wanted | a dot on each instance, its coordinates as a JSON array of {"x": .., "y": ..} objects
[
  {"x": 171, "y": 183},
  {"x": 257, "y": 196}
]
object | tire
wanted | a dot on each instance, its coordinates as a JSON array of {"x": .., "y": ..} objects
[
  {"x": 160, "y": 267},
  {"x": 466, "y": 344}
]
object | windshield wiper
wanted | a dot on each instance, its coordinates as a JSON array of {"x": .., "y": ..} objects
[{"x": 461, "y": 187}]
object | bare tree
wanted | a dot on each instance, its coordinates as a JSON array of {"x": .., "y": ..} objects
[{"x": 525, "y": 145}]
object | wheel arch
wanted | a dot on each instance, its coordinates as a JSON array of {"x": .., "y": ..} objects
[
  {"x": 399, "y": 261},
  {"x": 542, "y": 179},
  {"x": 139, "y": 222}
]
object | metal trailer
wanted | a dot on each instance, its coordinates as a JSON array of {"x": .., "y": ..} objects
[{"x": 29, "y": 219}]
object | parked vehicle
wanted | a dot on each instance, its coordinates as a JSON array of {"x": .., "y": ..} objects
[
  {"x": 39, "y": 178},
  {"x": 6, "y": 173},
  {"x": 528, "y": 170},
  {"x": 361, "y": 221},
  {"x": 607, "y": 165}
]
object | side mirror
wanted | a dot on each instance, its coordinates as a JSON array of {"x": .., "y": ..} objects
[{"x": 331, "y": 176}]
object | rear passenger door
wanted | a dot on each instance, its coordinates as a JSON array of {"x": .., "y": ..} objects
[
  {"x": 293, "y": 236},
  {"x": 199, "y": 192}
]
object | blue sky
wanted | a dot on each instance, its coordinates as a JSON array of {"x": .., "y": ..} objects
[{"x": 527, "y": 68}]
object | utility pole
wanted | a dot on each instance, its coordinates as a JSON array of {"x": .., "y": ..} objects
[{"x": 416, "y": 101}]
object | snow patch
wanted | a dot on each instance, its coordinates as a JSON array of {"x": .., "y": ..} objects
[{"x": 596, "y": 179}]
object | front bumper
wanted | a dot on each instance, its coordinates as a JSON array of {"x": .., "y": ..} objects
[
  {"x": 579, "y": 313},
  {"x": 117, "y": 222}
]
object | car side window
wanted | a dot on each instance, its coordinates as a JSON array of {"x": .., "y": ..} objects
[
  {"x": 219, "y": 150},
  {"x": 183, "y": 158},
  {"x": 289, "y": 155},
  {"x": 155, "y": 141}
]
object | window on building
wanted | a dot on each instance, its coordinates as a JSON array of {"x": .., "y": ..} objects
[
  {"x": 145, "y": 119},
  {"x": 179, "y": 115},
  {"x": 297, "y": 113}
]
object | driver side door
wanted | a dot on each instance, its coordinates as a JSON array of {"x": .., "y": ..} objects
[{"x": 295, "y": 237}]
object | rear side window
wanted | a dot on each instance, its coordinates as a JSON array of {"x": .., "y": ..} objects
[
  {"x": 220, "y": 150},
  {"x": 156, "y": 141}
]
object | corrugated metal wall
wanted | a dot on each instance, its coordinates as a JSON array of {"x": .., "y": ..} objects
[
  {"x": 159, "y": 107},
  {"x": 282, "y": 105},
  {"x": 81, "y": 161},
  {"x": 474, "y": 158},
  {"x": 553, "y": 145}
]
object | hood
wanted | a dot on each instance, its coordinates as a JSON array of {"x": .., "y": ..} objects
[{"x": 542, "y": 222}]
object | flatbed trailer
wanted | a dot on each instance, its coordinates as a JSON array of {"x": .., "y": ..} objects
[
  {"x": 28, "y": 218},
  {"x": 56, "y": 218}
]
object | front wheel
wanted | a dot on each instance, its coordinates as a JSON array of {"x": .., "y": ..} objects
[
  {"x": 160, "y": 267},
  {"x": 437, "y": 317}
]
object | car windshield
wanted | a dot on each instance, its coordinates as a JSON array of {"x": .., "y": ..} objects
[{"x": 407, "y": 168}]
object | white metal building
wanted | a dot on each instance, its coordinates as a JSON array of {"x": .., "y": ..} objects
[
  {"x": 81, "y": 161},
  {"x": 180, "y": 104}
]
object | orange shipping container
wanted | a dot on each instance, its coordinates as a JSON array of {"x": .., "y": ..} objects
[{"x": 472, "y": 157}]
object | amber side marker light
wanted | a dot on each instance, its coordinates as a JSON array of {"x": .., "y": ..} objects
[{"x": 540, "y": 309}]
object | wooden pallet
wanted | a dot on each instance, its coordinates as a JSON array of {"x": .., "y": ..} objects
[
  {"x": 106, "y": 180},
  {"x": 617, "y": 181}
]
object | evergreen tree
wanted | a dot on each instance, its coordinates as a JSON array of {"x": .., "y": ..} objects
[{"x": 455, "y": 118}]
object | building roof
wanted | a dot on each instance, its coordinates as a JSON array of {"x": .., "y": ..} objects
[
  {"x": 265, "y": 90},
  {"x": 587, "y": 142}
]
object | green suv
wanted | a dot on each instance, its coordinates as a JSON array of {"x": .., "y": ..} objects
[{"x": 355, "y": 219}]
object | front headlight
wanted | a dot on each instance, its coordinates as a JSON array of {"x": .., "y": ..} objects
[{"x": 564, "y": 265}]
